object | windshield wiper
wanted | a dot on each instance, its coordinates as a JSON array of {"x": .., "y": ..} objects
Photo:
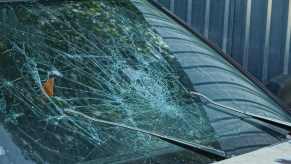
[
  {"x": 275, "y": 122},
  {"x": 194, "y": 147}
]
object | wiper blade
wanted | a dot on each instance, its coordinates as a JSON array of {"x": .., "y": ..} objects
[
  {"x": 201, "y": 149},
  {"x": 278, "y": 123}
]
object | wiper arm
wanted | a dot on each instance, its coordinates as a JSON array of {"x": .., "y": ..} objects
[
  {"x": 201, "y": 149},
  {"x": 275, "y": 122}
]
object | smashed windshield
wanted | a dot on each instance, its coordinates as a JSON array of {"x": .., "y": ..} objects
[{"x": 65, "y": 64}]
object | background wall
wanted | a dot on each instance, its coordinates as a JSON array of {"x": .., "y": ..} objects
[{"x": 254, "y": 32}]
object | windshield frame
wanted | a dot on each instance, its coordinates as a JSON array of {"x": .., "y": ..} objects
[{"x": 227, "y": 57}]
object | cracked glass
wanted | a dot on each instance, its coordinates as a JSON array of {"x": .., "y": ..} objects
[{"x": 64, "y": 65}]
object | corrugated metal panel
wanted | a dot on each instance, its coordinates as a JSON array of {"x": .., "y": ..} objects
[{"x": 255, "y": 32}]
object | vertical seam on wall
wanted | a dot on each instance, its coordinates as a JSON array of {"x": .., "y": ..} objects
[
  {"x": 247, "y": 34},
  {"x": 287, "y": 43},
  {"x": 267, "y": 42},
  {"x": 207, "y": 16},
  {"x": 233, "y": 16},
  {"x": 189, "y": 12},
  {"x": 226, "y": 25},
  {"x": 172, "y": 5}
]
